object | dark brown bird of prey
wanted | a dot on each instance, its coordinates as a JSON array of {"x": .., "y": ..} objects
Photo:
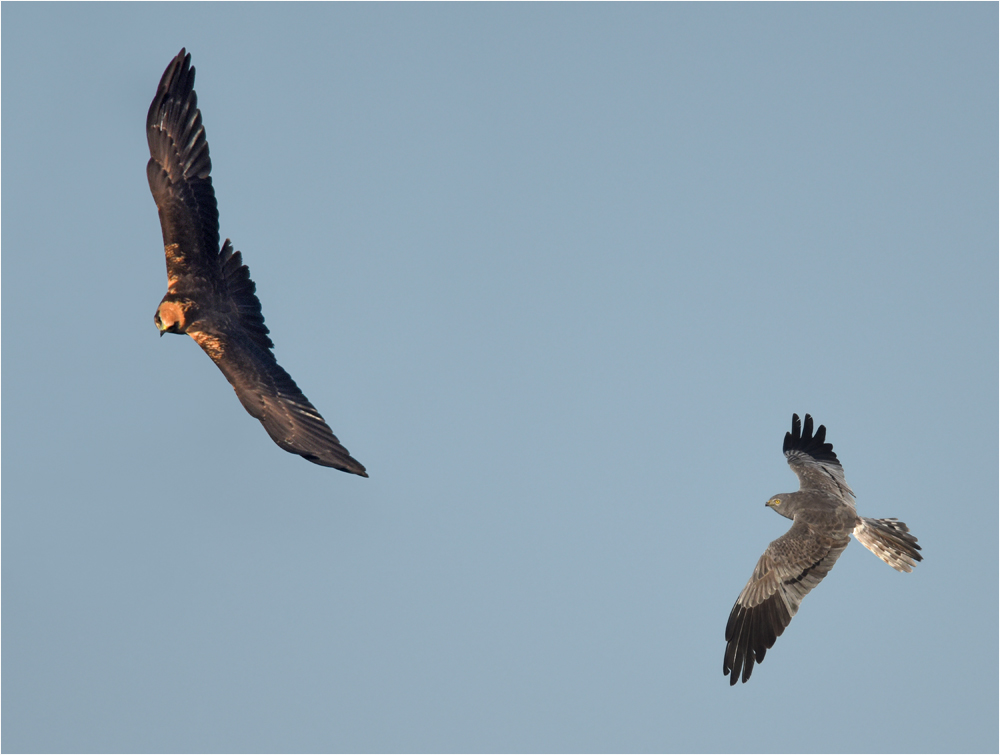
[
  {"x": 824, "y": 517},
  {"x": 209, "y": 292}
]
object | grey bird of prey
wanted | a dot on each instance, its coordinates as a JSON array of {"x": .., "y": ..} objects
[
  {"x": 823, "y": 516},
  {"x": 210, "y": 295}
]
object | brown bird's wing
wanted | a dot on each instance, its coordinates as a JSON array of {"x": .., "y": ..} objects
[
  {"x": 240, "y": 346},
  {"x": 791, "y": 566},
  {"x": 813, "y": 460},
  {"x": 229, "y": 324},
  {"x": 178, "y": 172}
]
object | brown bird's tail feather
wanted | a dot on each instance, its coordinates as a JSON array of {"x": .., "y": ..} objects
[{"x": 890, "y": 540}]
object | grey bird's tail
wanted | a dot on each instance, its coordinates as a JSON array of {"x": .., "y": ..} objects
[{"x": 890, "y": 540}]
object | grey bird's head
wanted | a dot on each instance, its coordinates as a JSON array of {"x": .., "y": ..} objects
[{"x": 784, "y": 503}]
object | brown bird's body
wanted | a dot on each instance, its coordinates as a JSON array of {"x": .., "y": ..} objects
[{"x": 210, "y": 295}]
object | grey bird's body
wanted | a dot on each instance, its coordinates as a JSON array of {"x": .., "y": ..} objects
[{"x": 824, "y": 516}]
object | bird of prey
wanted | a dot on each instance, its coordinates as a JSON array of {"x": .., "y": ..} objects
[
  {"x": 210, "y": 295},
  {"x": 823, "y": 516}
]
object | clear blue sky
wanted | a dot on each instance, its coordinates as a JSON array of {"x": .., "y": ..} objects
[{"x": 558, "y": 275}]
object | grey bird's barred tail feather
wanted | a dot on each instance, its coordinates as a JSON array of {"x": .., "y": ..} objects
[{"x": 890, "y": 540}]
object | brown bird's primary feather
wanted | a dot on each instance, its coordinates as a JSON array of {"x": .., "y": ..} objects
[{"x": 210, "y": 295}]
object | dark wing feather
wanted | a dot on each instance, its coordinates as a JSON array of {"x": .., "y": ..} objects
[
  {"x": 242, "y": 295},
  {"x": 813, "y": 460},
  {"x": 791, "y": 566},
  {"x": 241, "y": 348},
  {"x": 178, "y": 172}
]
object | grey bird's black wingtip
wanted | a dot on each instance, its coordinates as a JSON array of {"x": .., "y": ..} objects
[
  {"x": 750, "y": 633},
  {"x": 802, "y": 438}
]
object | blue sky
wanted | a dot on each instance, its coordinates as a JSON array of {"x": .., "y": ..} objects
[{"x": 558, "y": 275}]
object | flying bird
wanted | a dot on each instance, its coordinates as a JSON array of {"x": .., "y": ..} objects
[
  {"x": 210, "y": 295},
  {"x": 823, "y": 516}
]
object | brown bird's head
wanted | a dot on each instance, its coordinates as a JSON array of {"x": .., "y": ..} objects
[{"x": 173, "y": 315}]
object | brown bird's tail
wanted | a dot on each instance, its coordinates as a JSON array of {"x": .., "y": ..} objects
[{"x": 890, "y": 540}]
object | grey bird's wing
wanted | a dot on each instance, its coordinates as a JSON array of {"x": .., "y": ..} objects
[
  {"x": 791, "y": 566},
  {"x": 813, "y": 460},
  {"x": 229, "y": 325}
]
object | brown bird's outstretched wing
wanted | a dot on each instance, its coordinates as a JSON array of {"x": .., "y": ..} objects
[
  {"x": 791, "y": 566},
  {"x": 241, "y": 348},
  {"x": 210, "y": 295},
  {"x": 178, "y": 172},
  {"x": 813, "y": 460}
]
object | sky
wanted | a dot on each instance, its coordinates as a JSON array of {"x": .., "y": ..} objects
[{"x": 558, "y": 276}]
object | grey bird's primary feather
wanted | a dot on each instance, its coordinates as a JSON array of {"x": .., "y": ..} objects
[
  {"x": 210, "y": 295},
  {"x": 824, "y": 516}
]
